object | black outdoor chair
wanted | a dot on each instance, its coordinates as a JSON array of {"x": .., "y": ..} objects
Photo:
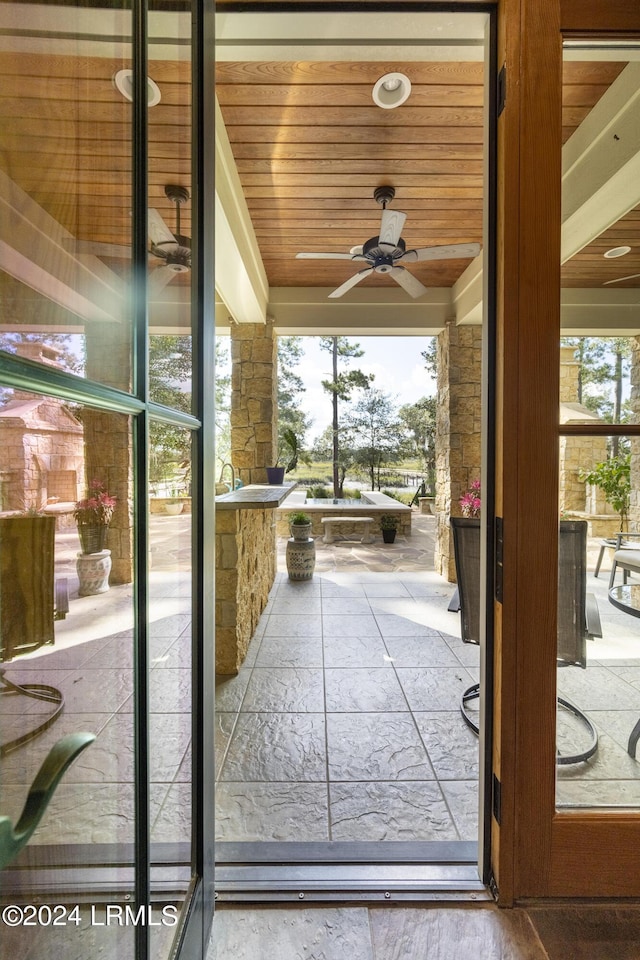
[{"x": 577, "y": 611}]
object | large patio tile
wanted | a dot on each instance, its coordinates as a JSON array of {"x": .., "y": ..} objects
[
  {"x": 376, "y": 746},
  {"x": 285, "y": 689},
  {"x": 174, "y": 821},
  {"x": 597, "y": 688},
  {"x": 437, "y": 688},
  {"x": 224, "y": 724},
  {"x": 170, "y": 690},
  {"x": 277, "y": 747},
  {"x": 271, "y": 811},
  {"x": 296, "y": 588},
  {"x": 389, "y": 811},
  {"x": 230, "y": 690},
  {"x": 428, "y": 651},
  {"x": 21, "y": 765},
  {"x": 386, "y": 588},
  {"x": 346, "y": 606},
  {"x": 349, "y": 626},
  {"x": 286, "y": 652},
  {"x": 293, "y": 625},
  {"x": 368, "y": 690},
  {"x": 256, "y": 933},
  {"x": 451, "y": 745},
  {"x": 462, "y": 798},
  {"x": 287, "y": 605},
  {"x": 618, "y": 724},
  {"x": 598, "y": 793},
  {"x": 409, "y": 624},
  {"x": 352, "y": 591},
  {"x": 356, "y": 652},
  {"x": 610, "y": 762},
  {"x": 102, "y": 690}
]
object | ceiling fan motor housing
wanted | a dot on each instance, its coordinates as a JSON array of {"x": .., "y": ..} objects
[{"x": 382, "y": 257}]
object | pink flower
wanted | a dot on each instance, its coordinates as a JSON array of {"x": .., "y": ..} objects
[
  {"x": 470, "y": 501},
  {"x": 96, "y": 509}
]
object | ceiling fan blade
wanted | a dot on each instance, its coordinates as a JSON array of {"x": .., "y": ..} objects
[
  {"x": 351, "y": 282},
  {"x": 391, "y": 227},
  {"x": 161, "y": 276},
  {"x": 452, "y": 251},
  {"x": 620, "y": 279},
  {"x": 159, "y": 233},
  {"x": 408, "y": 282},
  {"x": 324, "y": 256}
]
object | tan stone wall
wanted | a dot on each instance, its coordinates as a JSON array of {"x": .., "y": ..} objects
[
  {"x": 245, "y": 571},
  {"x": 578, "y": 454},
  {"x": 458, "y": 424},
  {"x": 254, "y": 407},
  {"x": 569, "y": 375}
]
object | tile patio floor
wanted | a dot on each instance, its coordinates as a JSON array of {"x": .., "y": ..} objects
[{"x": 343, "y": 723}]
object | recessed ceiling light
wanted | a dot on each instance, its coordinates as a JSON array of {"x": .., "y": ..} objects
[
  {"x": 616, "y": 252},
  {"x": 124, "y": 83},
  {"x": 391, "y": 90}
]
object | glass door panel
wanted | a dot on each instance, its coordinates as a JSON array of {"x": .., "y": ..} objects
[
  {"x": 66, "y": 596},
  {"x": 65, "y": 174}
]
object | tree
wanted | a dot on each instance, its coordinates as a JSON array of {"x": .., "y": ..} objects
[
  {"x": 170, "y": 372},
  {"x": 376, "y": 433},
  {"x": 613, "y": 476},
  {"x": 222, "y": 402},
  {"x": 291, "y": 418},
  {"x": 419, "y": 422},
  {"x": 340, "y": 387},
  {"x": 603, "y": 368}
]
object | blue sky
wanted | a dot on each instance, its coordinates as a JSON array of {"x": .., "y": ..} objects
[{"x": 395, "y": 361}]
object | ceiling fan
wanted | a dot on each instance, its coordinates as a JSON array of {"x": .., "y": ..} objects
[
  {"x": 173, "y": 249},
  {"x": 620, "y": 279},
  {"x": 386, "y": 252}
]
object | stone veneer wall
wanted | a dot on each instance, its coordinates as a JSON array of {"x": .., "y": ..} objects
[
  {"x": 254, "y": 409},
  {"x": 458, "y": 448},
  {"x": 245, "y": 571}
]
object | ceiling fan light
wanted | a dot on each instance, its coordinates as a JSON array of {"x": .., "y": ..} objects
[
  {"x": 391, "y": 90},
  {"x": 123, "y": 81}
]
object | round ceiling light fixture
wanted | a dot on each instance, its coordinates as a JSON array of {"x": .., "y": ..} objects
[
  {"x": 616, "y": 252},
  {"x": 124, "y": 83},
  {"x": 391, "y": 90}
]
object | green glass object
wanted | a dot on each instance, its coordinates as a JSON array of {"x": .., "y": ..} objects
[{"x": 58, "y": 760}]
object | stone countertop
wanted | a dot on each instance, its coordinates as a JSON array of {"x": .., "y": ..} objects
[{"x": 255, "y": 496}]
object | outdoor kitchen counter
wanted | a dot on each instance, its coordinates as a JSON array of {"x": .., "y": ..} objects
[
  {"x": 245, "y": 566},
  {"x": 255, "y": 496}
]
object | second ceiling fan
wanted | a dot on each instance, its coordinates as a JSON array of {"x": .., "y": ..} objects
[{"x": 387, "y": 252}]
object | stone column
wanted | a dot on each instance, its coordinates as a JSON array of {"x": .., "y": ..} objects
[
  {"x": 108, "y": 441},
  {"x": 253, "y": 400},
  {"x": 458, "y": 446}
]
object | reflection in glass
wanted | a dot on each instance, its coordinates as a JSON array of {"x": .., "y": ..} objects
[
  {"x": 599, "y": 619},
  {"x": 170, "y": 639},
  {"x": 67, "y": 639}
]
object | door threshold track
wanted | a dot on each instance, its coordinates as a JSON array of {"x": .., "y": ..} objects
[{"x": 376, "y": 871}]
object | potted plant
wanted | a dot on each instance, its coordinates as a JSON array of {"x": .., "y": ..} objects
[
  {"x": 174, "y": 506},
  {"x": 300, "y": 525},
  {"x": 93, "y": 516},
  {"x": 613, "y": 476},
  {"x": 301, "y": 548},
  {"x": 470, "y": 501},
  {"x": 389, "y": 526},
  {"x": 287, "y": 459}
]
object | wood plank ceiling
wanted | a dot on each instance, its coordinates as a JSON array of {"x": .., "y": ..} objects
[{"x": 311, "y": 146}]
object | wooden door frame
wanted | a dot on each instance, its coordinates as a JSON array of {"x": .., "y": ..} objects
[{"x": 536, "y": 851}]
